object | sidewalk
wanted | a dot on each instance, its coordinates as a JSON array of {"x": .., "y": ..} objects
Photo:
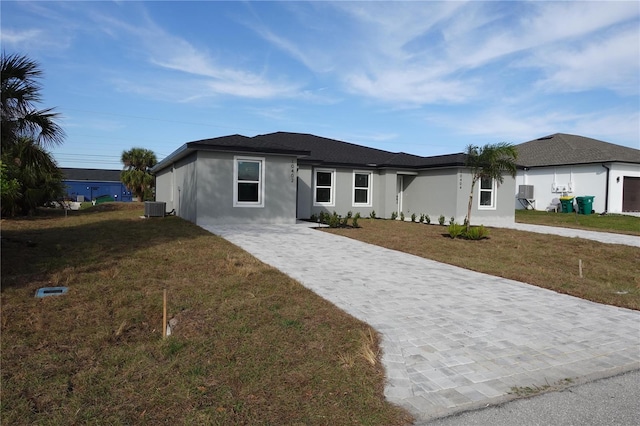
[
  {"x": 452, "y": 339},
  {"x": 603, "y": 237}
]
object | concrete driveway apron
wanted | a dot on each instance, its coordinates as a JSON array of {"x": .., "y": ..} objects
[{"x": 452, "y": 339}]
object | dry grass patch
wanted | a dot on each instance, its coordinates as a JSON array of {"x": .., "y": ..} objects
[
  {"x": 251, "y": 345},
  {"x": 610, "y": 272}
]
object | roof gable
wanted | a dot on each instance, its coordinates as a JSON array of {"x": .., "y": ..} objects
[
  {"x": 245, "y": 144},
  {"x": 565, "y": 149}
]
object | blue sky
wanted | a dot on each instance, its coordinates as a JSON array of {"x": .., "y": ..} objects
[{"x": 427, "y": 78}]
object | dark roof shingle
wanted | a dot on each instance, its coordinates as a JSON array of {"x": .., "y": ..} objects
[
  {"x": 99, "y": 175},
  {"x": 564, "y": 149},
  {"x": 335, "y": 152}
]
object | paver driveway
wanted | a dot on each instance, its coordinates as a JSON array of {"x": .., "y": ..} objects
[{"x": 452, "y": 339}]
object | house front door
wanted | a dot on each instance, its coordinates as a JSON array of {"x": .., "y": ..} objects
[{"x": 400, "y": 193}]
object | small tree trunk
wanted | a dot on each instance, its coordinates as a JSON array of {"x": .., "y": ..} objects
[{"x": 473, "y": 184}]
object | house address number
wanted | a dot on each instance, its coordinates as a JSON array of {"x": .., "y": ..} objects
[{"x": 293, "y": 171}]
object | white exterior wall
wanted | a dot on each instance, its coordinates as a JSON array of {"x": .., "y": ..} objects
[
  {"x": 580, "y": 180},
  {"x": 619, "y": 171}
]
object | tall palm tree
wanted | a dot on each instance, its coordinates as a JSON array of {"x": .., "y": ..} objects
[
  {"x": 20, "y": 91},
  {"x": 489, "y": 162},
  {"x": 137, "y": 163}
]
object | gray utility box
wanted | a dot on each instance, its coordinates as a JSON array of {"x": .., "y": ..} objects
[
  {"x": 154, "y": 208},
  {"x": 525, "y": 192}
]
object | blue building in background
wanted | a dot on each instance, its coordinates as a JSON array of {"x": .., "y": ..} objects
[{"x": 87, "y": 184}]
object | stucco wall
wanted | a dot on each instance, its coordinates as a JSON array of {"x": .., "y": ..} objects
[
  {"x": 432, "y": 192},
  {"x": 502, "y": 214},
  {"x": 343, "y": 193},
  {"x": 176, "y": 186},
  {"x": 163, "y": 187},
  {"x": 215, "y": 190},
  {"x": 589, "y": 179}
]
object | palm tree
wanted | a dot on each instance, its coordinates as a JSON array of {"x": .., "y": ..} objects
[
  {"x": 489, "y": 162},
  {"x": 137, "y": 163},
  {"x": 20, "y": 92},
  {"x": 35, "y": 173}
]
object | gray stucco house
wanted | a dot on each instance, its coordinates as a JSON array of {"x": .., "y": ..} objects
[
  {"x": 570, "y": 165},
  {"x": 281, "y": 177}
]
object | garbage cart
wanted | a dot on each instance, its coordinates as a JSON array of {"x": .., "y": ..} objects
[
  {"x": 585, "y": 204},
  {"x": 567, "y": 204}
]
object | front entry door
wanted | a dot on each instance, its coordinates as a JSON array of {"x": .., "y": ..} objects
[{"x": 400, "y": 193}]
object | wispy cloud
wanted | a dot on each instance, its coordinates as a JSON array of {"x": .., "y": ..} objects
[
  {"x": 33, "y": 40},
  {"x": 208, "y": 76},
  {"x": 430, "y": 53},
  {"x": 611, "y": 62}
]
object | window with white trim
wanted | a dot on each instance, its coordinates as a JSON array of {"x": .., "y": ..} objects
[
  {"x": 324, "y": 187},
  {"x": 487, "y": 194},
  {"x": 248, "y": 182},
  {"x": 362, "y": 188}
]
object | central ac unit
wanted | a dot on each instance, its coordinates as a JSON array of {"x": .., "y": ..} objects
[{"x": 154, "y": 208}]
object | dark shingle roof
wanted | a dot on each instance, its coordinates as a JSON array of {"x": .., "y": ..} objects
[
  {"x": 316, "y": 150},
  {"x": 563, "y": 149},
  {"x": 335, "y": 152},
  {"x": 237, "y": 143},
  {"x": 99, "y": 175}
]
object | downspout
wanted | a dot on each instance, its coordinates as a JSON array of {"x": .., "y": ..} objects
[{"x": 606, "y": 190}]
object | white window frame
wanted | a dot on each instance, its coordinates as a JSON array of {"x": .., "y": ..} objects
[
  {"x": 369, "y": 188},
  {"x": 260, "y": 182},
  {"x": 332, "y": 188},
  {"x": 493, "y": 193}
]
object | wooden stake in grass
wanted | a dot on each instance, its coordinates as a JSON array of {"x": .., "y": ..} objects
[
  {"x": 164, "y": 314},
  {"x": 580, "y": 267}
]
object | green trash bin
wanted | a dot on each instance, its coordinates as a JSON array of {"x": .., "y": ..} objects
[
  {"x": 567, "y": 204},
  {"x": 585, "y": 204}
]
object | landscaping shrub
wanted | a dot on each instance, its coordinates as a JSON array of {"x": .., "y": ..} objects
[
  {"x": 355, "y": 220},
  {"x": 441, "y": 219},
  {"x": 456, "y": 230},
  {"x": 477, "y": 233},
  {"x": 334, "y": 220}
]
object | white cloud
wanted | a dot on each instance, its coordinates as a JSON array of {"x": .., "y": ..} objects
[
  {"x": 612, "y": 62},
  {"x": 409, "y": 87},
  {"x": 33, "y": 39},
  {"x": 16, "y": 37},
  {"x": 170, "y": 52}
]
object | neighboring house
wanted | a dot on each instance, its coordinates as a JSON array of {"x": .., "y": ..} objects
[
  {"x": 87, "y": 184},
  {"x": 569, "y": 165},
  {"x": 281, "y": 177}
]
